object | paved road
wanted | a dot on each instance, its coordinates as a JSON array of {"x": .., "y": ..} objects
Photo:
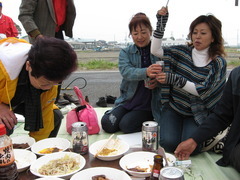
[{"x": 99, "y": 84}]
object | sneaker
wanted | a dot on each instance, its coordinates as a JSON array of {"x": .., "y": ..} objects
[
  {"x": 61, "y": 101},
  {"x": 102, "y": 102},
  {"x": 111, "y": 99},
  {"x": 211, "y": 143},
  {"x": 218, "y": 148},
  {"x": 70, "y": 98}
]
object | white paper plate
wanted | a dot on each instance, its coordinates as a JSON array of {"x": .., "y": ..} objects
[
  {"x": 60, "y": 143},
  {"x": 23, "y": 139},
  {"x": 110, "y": 173},
  {"x": 23, "y": 158},
  {"x": 122, "y": 147},
  {"x": 43, "y": 160},
  {"x": 49, "y": 178},
  {"x": 142, "y": 159},
  {"x": 171, "y": 159}
]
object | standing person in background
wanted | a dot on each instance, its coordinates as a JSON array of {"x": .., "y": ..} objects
[
  {"x": 193, "y": 81},
  {"x": 7, "y": 26},
  {"x": 48, "y": 18},
  {"x": 29, "y": 76},
  {"x": 137, "y": 103}
]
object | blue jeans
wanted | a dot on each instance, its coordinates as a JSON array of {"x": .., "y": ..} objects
[
  {"x": 175, "y": 128},
  {"x": 127, "y": 121}
]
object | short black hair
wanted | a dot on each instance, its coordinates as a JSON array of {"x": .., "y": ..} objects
[{"x": 52, "y": 58}]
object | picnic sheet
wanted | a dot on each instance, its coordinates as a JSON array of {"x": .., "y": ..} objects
[{"x": 203, "y": 166}]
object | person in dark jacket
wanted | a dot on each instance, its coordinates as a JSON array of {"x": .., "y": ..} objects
[{"x": 226, "y": 113}]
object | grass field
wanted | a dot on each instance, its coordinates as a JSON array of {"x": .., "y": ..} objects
[{"x": 108, "y": 60}]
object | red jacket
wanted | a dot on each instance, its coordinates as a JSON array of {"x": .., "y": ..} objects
[{"x": 7, "y": 27}]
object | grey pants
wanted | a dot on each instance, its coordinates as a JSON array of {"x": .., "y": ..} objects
[
  {"x": 235, "y": 157},
  {"x": 57, "y": 122}
]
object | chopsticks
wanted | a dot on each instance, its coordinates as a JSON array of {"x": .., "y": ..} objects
[
  {"x": 105, "y": 144},
  {"x": 161, "y": 152}
]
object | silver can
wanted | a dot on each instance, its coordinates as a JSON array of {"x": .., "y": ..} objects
[
  {"x": 171, "y": 173},
  {"x": 147, "y": 82},
  {"x": 150, "y": 136},
  {"x": 80, "y": 137},
  {"x": 161, "y": 63}
]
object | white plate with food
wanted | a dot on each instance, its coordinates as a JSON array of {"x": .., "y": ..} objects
[
  {"x": 103, "y": 172},
  {"x": 170, "y": 158},
  {"x": 138, "y": 163},
  {"x": 50, "y": 145},
  {"x": 23, "y": 158},
  {"x": 114, "y": 149},
  {"x": 58, "y": 165},
  {"x": 22, "y": 142}
]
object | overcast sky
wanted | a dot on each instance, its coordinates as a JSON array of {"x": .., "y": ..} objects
[{"x": 108, "y": 19}]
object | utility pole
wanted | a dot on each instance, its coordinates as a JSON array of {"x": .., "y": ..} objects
[
  {"x": 237, "y": 38},
  {"x": 236, "y": 2}
]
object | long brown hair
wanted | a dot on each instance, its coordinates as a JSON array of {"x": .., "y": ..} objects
[{"x": 215, "y": 25}]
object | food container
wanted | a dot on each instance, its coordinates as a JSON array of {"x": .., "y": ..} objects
[{"x": 171, "y": 173}]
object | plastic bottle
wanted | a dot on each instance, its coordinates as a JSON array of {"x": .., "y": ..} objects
[
  {"x": 157, "y": 166},
  {"x": 8, "y": 167}
]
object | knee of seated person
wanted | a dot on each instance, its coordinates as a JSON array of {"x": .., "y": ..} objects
[
  {"x": 129, "y": 129},
  {"x": 106, "y": 125}
]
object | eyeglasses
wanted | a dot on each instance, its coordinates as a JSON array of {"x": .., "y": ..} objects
[{"x": 44, "y": 85}]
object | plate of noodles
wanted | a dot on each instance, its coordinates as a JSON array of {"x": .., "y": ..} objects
[{"x": 58, "y": 165}]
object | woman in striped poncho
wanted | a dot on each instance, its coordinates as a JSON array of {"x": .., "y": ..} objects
[{"x": 193, "y": 78}]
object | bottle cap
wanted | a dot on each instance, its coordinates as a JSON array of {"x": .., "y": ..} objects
[
  {"x": 158, "y": 156},
  {"x": 2, "y": 129}
]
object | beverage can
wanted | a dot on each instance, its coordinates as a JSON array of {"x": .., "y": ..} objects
[
  {"x": 171, "y": 173},
  {"x": 80, "y": 137},
  {"x": 150, "y": 136},
  {"x": 161, "y": 63},
  {"x": 147, "y": 82}
]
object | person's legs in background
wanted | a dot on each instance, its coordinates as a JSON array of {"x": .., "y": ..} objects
[
  {"x": 235, "y": 157},
  {"x": 57, "y": 122},
  {"x": 189, "y": 127},
  {"x": 59, "y": 35},
  {"x": 132, "y": 121},
  {"x": 111, "y": 119},
  {"x": 170, "y": 124}
]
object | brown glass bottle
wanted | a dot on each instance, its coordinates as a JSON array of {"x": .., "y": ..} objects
[
  {"x": 8, "y": 168},
  {"x": 157, "y": 166}
]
